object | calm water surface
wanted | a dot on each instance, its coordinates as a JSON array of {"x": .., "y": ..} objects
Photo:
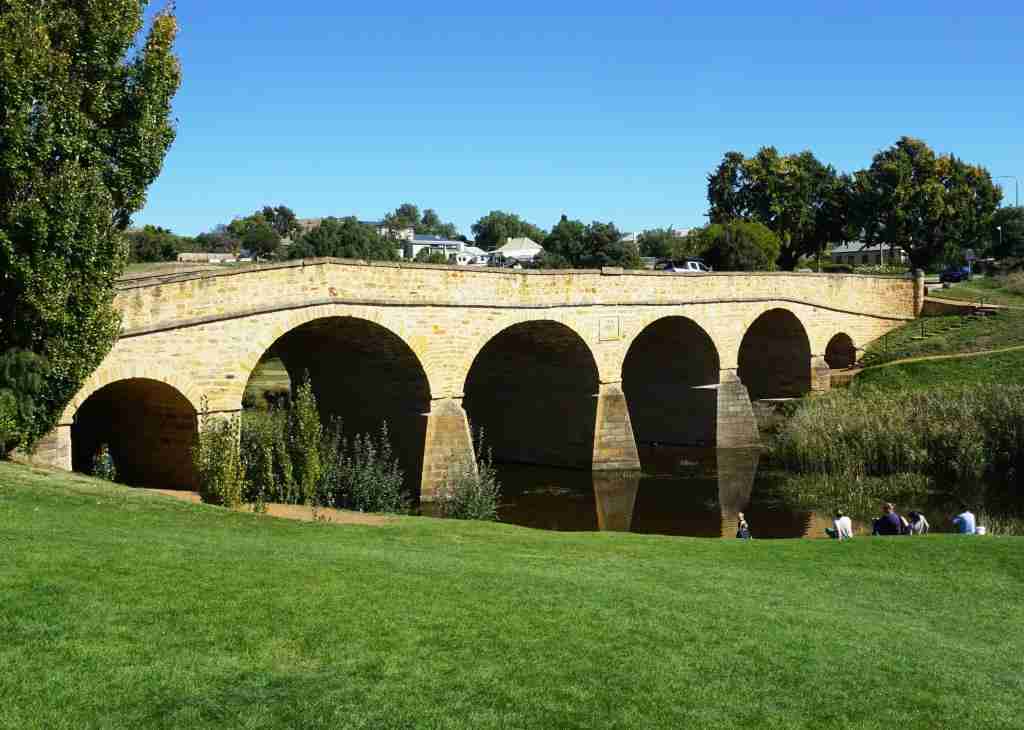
[{"x": 688, "y": 492}]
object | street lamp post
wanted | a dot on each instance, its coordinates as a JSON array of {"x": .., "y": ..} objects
[
  {"x": 1016, "y": 187},
  {"x": 1000, "y": 229}
]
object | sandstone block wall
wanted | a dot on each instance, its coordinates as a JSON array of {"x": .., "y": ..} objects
[{"x": 204, "y": 333}]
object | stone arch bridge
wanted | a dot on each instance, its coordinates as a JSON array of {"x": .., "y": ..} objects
[{"x": 565, "y": 368}]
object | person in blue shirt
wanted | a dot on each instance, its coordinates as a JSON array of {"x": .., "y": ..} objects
[
  {"x": 964, "y": 522},
  {"x": 889, "y": 523}
]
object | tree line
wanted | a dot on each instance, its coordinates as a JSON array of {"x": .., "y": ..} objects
[{"x": 932, "y": 206}]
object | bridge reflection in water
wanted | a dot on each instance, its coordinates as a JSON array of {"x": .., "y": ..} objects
[{"x": 685, "y": 491}]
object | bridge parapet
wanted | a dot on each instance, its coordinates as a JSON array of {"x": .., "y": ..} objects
[{"x": 208, "y": 295}]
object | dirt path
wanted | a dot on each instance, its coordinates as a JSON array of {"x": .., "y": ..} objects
[
  {"x": 953, "y": 356},
  {"x": 974, "y": 303},
  {"x": 292, "y": 511}
]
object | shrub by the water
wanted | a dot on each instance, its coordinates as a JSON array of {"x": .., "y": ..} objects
[
  {"x": 103, "y": 465},
  {"x": 290, "y": 458},
  {"x": 217, "y": 457},
  {"x": 470, "y": 490},
  {"x": 305, "y": 434},
  {"x": 952, "y": 435},
  {"x": 369, "y": 478}
]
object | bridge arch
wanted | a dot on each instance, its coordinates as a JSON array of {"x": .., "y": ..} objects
[
  {"x": 149, "y": 426},
  {"x": 363, "y": 373},
  {"x": 775, "y": 356},
  {"x": 840, "y": 352},
  {"x": 532, "y": 390},
  {"x": 670, "y": 375}
]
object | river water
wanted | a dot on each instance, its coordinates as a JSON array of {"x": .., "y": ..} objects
[{"x": 688, "y": 492}]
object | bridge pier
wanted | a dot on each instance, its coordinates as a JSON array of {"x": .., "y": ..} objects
[
  {"x": 448, "y": 439},
  {"x": 821, "y": 374},
  {"x": 614, "y": 444},
  {"x": 735, "y": 425},
  {"x": 53, "y": 450}
]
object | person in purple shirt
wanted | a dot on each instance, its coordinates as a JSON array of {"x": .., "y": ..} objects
[{"x": 889, "y": 523}]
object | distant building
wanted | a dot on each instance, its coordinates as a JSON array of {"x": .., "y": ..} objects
[
  {"x": 858, "y": 253},
  {"x": 472, "y": 256},
  {"x": 517, "y": 249},
  {"x": 434, "y": 244},
  {"x": 207, "y": 258}
]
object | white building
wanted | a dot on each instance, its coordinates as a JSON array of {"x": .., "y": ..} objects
[
  {"x": 434, "y": 244},
  {"x": 517, "y": 249}
]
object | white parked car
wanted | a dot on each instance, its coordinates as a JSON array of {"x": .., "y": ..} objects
[{"x": 682, "y": 266}]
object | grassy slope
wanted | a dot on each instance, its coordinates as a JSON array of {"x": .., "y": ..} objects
[
  {"x": 1004, "y": 367},
  {"x": 947, "y": 335},
  {"x": 980, "y": 288},
  {"x": 122, "y": 609}
]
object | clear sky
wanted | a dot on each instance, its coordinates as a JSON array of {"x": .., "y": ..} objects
[{"x": 540, "y": 108}]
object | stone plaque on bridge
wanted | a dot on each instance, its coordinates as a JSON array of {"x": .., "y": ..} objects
[{"x": 609, "y": 329}]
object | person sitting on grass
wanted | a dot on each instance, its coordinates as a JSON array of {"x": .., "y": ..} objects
[
  {"x": 842, "y": 527},
  {"x": 889, "y": 523},
  {"x": 964, "y": 522},
  {"x": 742, "y": 528},
  {"x": 917, "y": 525}
]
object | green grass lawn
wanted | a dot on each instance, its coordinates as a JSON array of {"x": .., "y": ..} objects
[
  {"x": 1002, "y": 367},
  {"x": 125, "y": 610},
  {"x": 947, "y": 335},
  {"x": 980, "y": 288}
]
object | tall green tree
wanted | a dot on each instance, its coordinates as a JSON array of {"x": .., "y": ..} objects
[
  {"x": 282, "y": 219},
  {"x": 220, "y": 240},
  {"x": 153, "y": 243},
  {"x": 932, "y": 206},
  {"x": 84, "y": 128},
  {"x": 587, "y": 246},
  {"x": 262, "y": 239},
  {"x": 344, "y": 238},
  {"x": 736, "y": 246},
  {"x": 663, "y": 243},
  {"x": 493, "y": 229},
  {"x": 786, "y": 193},
  {"x": 1007, "y": 233}
]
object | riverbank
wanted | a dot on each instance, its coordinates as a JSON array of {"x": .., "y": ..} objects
[{"x": 126, "y": 609}]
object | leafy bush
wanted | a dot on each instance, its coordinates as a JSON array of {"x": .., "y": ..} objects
[
  {"x": 103, "y": 465},
  {"x": 369, "y": 478},
  {"x": 737, "y": 246},
  {"x": 290, "y": 458},
  {"x": 267, "y": 460},
  {"x": 470, "y": 490},
  {"x": 217, "y": 457},
  {"x": 22, "y": 395},
  {"x": 305, "y": 433}
]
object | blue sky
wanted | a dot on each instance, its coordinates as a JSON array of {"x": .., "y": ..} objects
[{"x": 564, "y": 107}]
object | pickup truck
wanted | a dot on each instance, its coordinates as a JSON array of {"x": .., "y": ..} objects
[{"x": 682, "y": 266}]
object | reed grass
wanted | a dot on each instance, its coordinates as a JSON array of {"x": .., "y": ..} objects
[{"x": 951, "y": 434}]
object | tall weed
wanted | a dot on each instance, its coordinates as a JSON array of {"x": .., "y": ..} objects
[
  {"x": 953, "y": 434},
  {"x": 217, "y": 457},
  {"x": 470, "y": 489},
  {"x": 369, "y": 478}
]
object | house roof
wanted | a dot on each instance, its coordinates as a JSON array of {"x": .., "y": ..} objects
[{"x": 520, "y": 246}]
